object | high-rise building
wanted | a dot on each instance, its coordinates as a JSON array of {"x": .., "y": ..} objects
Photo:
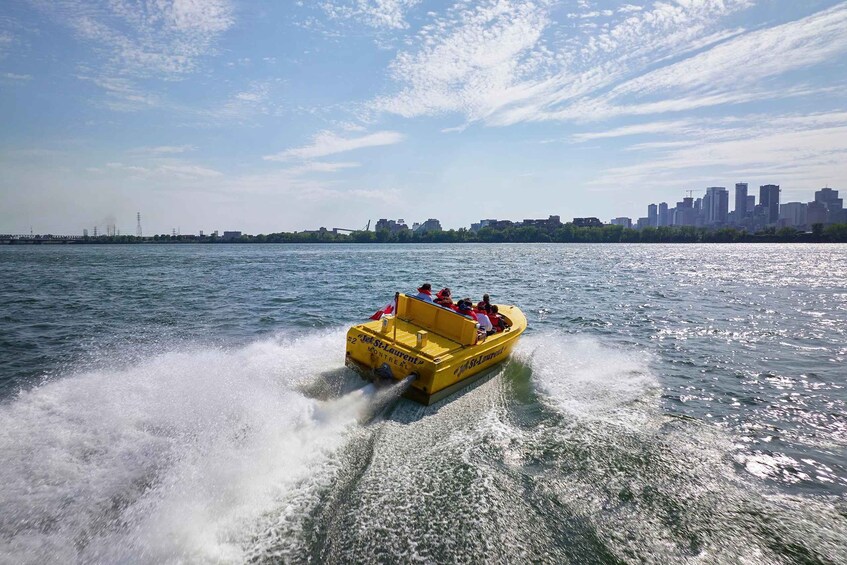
[
  {"x": 715, "y": 205},
  {"x": 740, "y": 201},
  {"x": 684, "y": 214},
  {"x": 663, "y": 219},
  {"x": 622, "y": 221},
  {"x": 834, "y": 205},
  {"x": 769, "y": 200},
  {"x": 430, "y": 225},
  {"x": 816, "y": 213},
  {"x": 751, "y": 203},
  {"x": 652, "y": 215},
  {"x": 792, "y": 214}
]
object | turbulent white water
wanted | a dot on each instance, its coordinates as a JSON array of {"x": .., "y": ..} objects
[
  {"x": 172, "y": 459},
  {"x": 268, "y": 452},
  {"x": 587, "y": 379}
]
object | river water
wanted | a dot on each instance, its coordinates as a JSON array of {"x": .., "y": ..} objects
[{"x": 189, "y": 403}]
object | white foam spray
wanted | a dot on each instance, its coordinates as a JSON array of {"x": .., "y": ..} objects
[
  {"x": 174, "y": 459},
  {"x": 585, "y": 378}
]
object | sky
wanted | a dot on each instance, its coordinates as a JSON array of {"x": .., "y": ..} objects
[{"x": 287, "y": 116}]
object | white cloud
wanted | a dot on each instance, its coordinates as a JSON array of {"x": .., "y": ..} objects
[
  {"x": 803, "y": 149},
  {"x": 506, "y": 61},
  {"x": 161, "y": 38},
  {"x": 320, "y": 167},
  {"x": 16, "y": 77},
  {"x": 636, "y": 129},
  {"x": 389, "y": 14},
  {"x": 7, "y": 39},
  {"x": 164, "y": 149},
  {"x": 163, "y": 167},
  {"x": 470, "y": 60},
  {"x": 328, "y": 143},
  {"x": 748, "y": 60},
  {"x": 122, "y": 94}
]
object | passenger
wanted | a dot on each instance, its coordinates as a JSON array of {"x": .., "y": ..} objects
[
  {"x": 482, "y": 318},
  {"x": 444, "y": 298},
  {"x": 497, "y": 320},
  {"x": 425, "y": 292},
  {"x": 487, "y": 300},
  {"x": 465, "y": 309}
]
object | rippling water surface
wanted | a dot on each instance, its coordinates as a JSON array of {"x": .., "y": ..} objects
[{"x": 190, "y": 404}]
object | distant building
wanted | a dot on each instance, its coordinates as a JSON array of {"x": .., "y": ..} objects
[
  {"x": 587, "y": 222},
  {"x": 230, "y": 235},
  {"x": 816, "y": 213},
  {"x": 834, "y": 205},
  {"x": 751, "y": 203},
  {"x": 653, "y": 215},
  {"x": 684, "y": 214},
  {"x": 483, "y": 224},
  {"x": 643, "y": 223},
  {"x": 500, "y": 224},
  {"x": 551, "y": 222},
  {"x": 792, "y": 214},
  {"x": 740, "y": 201},
  {"x": 769, "y": 200},
  {"x": 622, "y": 221},
  {"x": 390, "y": 225},
  {"x": 430, "y": 225},
  {"x": 663, "y": 219},
  {"x": 715, "y": 206}
]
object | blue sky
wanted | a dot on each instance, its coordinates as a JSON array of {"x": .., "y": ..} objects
[{"x": 281, "y": 116}]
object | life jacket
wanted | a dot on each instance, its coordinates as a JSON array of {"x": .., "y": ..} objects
[{"x": 424, "y": 295}]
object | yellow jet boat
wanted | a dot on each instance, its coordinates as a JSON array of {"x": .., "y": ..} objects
[{"x": 440, "y": 348}]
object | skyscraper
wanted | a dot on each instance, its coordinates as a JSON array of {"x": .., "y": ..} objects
[
  {"x": 740, "y": 201},
  {"x": 716, "y": 205},
  {"x": 834, "y": 205},
  {"x": 769, "y": 200},
  {"x": 652, "y": 215},
  {"x": 684, "y": 215},
  {"x": 664, "y": 219}
]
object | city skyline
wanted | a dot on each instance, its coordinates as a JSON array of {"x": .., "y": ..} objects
[
  {"x": 708, "y": 211},
  {"x": 226, "y": 114}
]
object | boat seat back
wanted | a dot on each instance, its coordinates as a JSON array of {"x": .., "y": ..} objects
[{"x": 437, "y": 319}]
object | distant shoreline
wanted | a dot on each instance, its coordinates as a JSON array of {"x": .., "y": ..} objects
[{"x": 568, "y": 233}]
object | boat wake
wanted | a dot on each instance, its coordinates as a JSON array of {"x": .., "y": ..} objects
[
  {"x": 175, "y": 458},
  {"x": 274, "y": 452}
]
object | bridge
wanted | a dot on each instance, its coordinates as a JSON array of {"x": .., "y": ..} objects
[{"x": 39, "y": 239}]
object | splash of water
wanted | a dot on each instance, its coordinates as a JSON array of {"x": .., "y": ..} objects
[
  {"x": 171, "y": 459},
  {"x": 586, "y": 378}
]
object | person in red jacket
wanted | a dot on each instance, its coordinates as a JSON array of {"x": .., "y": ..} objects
[
  {"x": 444, "y": 298},
  {"x": 425, "y": 292},
  {"x": 496, "y": 319}
]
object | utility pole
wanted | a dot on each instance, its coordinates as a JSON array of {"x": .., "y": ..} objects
[{"x": 138, "y": 225}]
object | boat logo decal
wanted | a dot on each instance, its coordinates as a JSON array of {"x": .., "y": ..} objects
[
  {"x": 377, "y": 345},
  {"x": 478, "y": 360}
]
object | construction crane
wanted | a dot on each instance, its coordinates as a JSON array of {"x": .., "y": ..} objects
[{"x": 367, "y": 228}]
